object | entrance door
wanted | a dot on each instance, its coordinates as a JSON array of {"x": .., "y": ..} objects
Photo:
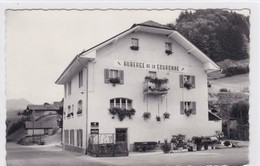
[{"x": 120, "y": 148}]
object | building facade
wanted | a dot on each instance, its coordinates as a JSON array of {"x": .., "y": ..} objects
[{"x": 144, "y": 84}]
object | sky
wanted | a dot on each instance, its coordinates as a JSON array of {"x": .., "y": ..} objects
[{"x": 40, "y": 44}]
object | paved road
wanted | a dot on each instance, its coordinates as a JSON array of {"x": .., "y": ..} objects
[{"x": 53, "y": 156}]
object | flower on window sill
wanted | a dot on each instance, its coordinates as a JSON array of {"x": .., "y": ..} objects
[
  {"x": 158, "y": 118},
  {"x": 146, "y": 115},
  {"x": 157, "y": 81},
  {"x": 134, "y": 47},
  {"x": 188, "y": 112},
  {"x": 114, "y": 81},
  {"x": 187, "y": 85},
  {"x": 79, "y": 111},
  {"x": 166, "y": 115},
  {"x": 168, "y": 52},
  {"x": 121, "y": 113}
]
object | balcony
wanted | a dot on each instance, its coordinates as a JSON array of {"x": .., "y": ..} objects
[{"x": 155, "y": 86}]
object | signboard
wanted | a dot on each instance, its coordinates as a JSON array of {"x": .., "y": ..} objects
[
  {"x": 149, "y": 66},
  {"x": 94, "y": 131},
  {"x": 94, "y": 124}
]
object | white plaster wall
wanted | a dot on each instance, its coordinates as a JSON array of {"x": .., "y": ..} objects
[
  {"x": 36, "y": 131},
  {"x": 151, "y": 51},
  {"x": 77, "y": 121}
]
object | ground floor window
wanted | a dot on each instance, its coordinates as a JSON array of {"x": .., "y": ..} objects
[
  {"x": 66, "y": 136},
  {"x": 79, "y": 138},
  {"x": 121, "y": 103},
  {"x": 71, "y": 137},
  {"x": 188, "y": 107}
]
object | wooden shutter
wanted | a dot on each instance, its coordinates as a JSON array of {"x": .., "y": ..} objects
[
  {"x": 193, "y": 81},
  {"x": 121, "y": 76},
  {"x": 181, "y": 81},
  {"x": 106, "y": 75},
  {"x": 194, "y": 108},
  {"x": 182, "y": 107}
]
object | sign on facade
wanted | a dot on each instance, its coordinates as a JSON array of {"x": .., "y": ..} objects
[
  {"x": 94, "y": 124},
  {"x": 94, "y": 131},
  {"x": 149, "y": 66}
]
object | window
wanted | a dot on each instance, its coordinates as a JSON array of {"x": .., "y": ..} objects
[
  {"x": 134, "y": 44},
  {"x": 71, "y": 137},
  {"x": 168, "y": 48},
  {"x": 66, "y": 136},
  {"x": 80, "y": 79},
  {"x": 64, "y": 113},
  {"x": 79, "y": 138},
  {"x": 65, "y": 90},
  {"x": 188, "y": 106},
  {"x": 123, "y": 103},
  {"x": 79, "y": 111},
  {"x": 152, "y": 74},
  {"x": 187, "y": 81},
  {"x": 69, "y": 88},
  {"x": 114, "y": 76},
  {"x": 72, "y": 111},
  {"x": 69, "y": 112}
]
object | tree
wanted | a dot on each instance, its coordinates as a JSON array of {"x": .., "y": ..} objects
[
  {"x": 218, "y": 33},
  {"x": 240, "y": 111}
]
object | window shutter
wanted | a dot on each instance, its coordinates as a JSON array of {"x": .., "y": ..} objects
[
  {"x": 181, "y": 81},
  {"x": 194, "y": 108},
  {"x": 121, "y": 75},
  {"x": 193, "y": 81},
  {"x": 182, "y": 107},
  {"x": 106, "y": 75}
]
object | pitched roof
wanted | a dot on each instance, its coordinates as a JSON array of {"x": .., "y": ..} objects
[
  {"x": 213, "y": 116},
  {"x": 151, "y": 23},
  {"x": 44, "y": 107},
  {"x": 148, "y": 26},
  {"x": 45, "y": 122}
]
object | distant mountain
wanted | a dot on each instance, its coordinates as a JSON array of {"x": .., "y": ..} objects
[{"x": 16, "y": 104}]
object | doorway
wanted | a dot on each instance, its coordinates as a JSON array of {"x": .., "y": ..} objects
[{"x": 121, "y": 142}]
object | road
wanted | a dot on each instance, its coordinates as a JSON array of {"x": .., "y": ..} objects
[{"x": 53, "y": 156}]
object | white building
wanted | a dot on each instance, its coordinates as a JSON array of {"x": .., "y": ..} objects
[{"x": 148, "y": 68}]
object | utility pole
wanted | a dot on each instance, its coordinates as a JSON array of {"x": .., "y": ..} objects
[{"x": 33, "y": 124}]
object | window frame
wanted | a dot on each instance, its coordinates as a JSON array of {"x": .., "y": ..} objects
[
  {"x": 127, "y": 105},
  {"x": 192, "y": 106},
  {"x": 72, "y": 140},
  {"x": 69, "y": 88},
  {"x": 192, "y": 81},
  {"x": 81, "y": 79},
  {"x": 168, "y": 48},
  {"x": 108, "y": 75},
  {"x": 134, "y": 44},
  {"x": 80, "y": 107}
]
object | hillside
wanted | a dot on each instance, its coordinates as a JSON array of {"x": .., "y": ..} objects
[
  {"x": 49, "y": 139},
  {"x": 238, "y": 83},
  {"x": 16, "y": 104},
  {"x": 227, "y": 63}
]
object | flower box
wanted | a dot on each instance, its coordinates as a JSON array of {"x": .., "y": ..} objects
[
  {"x": 121, "y": 113},
  {"x": 134, "y": 48},
  {"x": 168, "y": 52},
  {"x": 166, "y": 115},
  {"x": 146, "y": 115},
  {"x": 158, "y": 118},
  {"x": 114, "y": 81},
  {"x": 187, "y": 85}
]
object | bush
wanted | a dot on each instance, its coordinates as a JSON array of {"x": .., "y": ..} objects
[
  {"x": 223, "y": 90},
  {"x": 166, "y": 147},
  {"x": 14, "y": 127},
  {"x": 227, "y": 143},
  {"x": 236, "y": 70}
]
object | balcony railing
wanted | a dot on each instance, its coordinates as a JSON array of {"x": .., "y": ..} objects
[{"x": 155, "y": 86}]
